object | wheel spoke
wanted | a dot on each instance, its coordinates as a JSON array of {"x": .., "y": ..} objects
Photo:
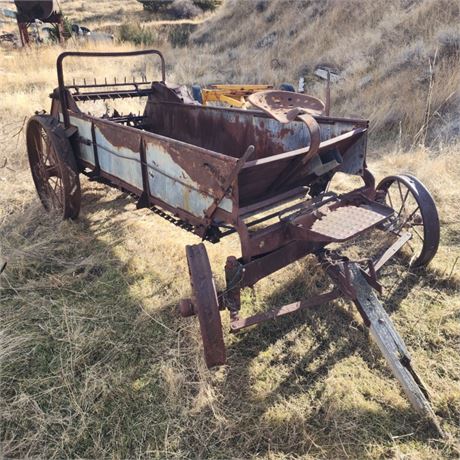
[
  {"x": 53, "y": 190},
  {"x": 52, "y": 171},
  {"x": 410, "y": 216},
  {"x": 55, "y": 198},
  {"x": 45, "y": 140},
  {"x": 40, "y": 169},
  {"x": 410, "y": 247},
  {"x": 418, "y": 234},
  {"x": 57, "y": 190},
  {"x": 389, "y": 198},
  {"x": 38, "y": 148},
  {"x": 403, "y": 205}
]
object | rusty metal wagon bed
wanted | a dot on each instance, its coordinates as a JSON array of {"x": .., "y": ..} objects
[{"x": 263, "y": 174}]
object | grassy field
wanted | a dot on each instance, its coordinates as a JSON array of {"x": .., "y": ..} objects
[{"x": 96, "y": 362}]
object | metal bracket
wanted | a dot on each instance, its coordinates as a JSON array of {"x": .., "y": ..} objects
[
  {"x": 97, "y": 168},
  {"x": 233, "y": 275},
  {"x": 70, "y": 131},
  {"x": 143, "y": 201}
]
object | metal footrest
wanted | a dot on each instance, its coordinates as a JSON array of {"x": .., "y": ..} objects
[
  {"x": 341, "y": 221},
  {"x": 345, "y": 222}
]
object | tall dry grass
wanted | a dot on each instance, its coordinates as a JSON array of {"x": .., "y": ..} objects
[{"x": 96, "y": 362}]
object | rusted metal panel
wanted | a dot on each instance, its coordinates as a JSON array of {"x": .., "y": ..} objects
[
  {"x": 225, "y": 131},
  {"x": 174, "y": 185},
  {"x": 354, "y": 156},
  {"x": 228, "y": 131},
  {"x": 120, "y": 159},
  {"x": 183, "y": 176},
  {"x": 187, "y": 177},
  {"x": 257, "y": 176}
]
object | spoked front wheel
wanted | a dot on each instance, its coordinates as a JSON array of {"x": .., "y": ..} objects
[
  {"x": 415, "y": 213},
  {"x": 53, "y": 166}
]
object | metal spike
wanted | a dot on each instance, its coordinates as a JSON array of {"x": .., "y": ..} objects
[{"x": 84, "y": 81}]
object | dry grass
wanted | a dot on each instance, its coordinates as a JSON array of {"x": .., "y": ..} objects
[{"x": 96, "y": 362}]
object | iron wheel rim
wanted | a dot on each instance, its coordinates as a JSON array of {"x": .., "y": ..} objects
[
  {"x": 46, "y": 169},
  {"x": 53, "y": 166},
  {"x": 206, "y": 306},
  {"x": 415, "y": 212}
]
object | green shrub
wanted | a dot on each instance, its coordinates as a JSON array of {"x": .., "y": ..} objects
[
  {"x": 137, "y": 34},
  {"x": 159, "y": 5},
  {"x": 179, "y": 35},
  {"x": 184, "y": 9},
  {"x": 207, "y": 5}
]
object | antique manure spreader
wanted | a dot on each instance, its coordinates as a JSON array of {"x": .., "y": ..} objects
[{"x": 263, "y": 174}]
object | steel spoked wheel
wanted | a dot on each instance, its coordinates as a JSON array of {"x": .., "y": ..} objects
[
  {"x": 53, "y": 166},
  {"x": 415, "y": 213},
  {"x": 206, "y": 306}
]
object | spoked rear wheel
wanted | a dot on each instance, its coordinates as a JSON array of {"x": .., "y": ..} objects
[
  {"x": 415, "y": 213},
  {"x": 53, "y": 166},
  {"x": 206, "y": 306}
]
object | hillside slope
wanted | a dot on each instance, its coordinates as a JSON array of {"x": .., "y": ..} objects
[
  {"x": 95, "y": 360},
  {"x": 399, "y": 60}
]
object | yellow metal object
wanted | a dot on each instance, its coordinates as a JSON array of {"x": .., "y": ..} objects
[{"x": 233, "y": 95}]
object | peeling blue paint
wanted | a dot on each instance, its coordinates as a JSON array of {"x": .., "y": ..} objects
[
  {"x": 172, "y": 184},
  {"x": 123, "y": 168},
  {"x": 84, "y": 130}
]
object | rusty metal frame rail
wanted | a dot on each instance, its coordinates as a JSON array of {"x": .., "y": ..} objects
[
  {"x": 66, "y": 54},
  {"x": 102, "y": 95}
]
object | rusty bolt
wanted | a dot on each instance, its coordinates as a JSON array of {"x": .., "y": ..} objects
[{"x": 186, "y": 308}]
